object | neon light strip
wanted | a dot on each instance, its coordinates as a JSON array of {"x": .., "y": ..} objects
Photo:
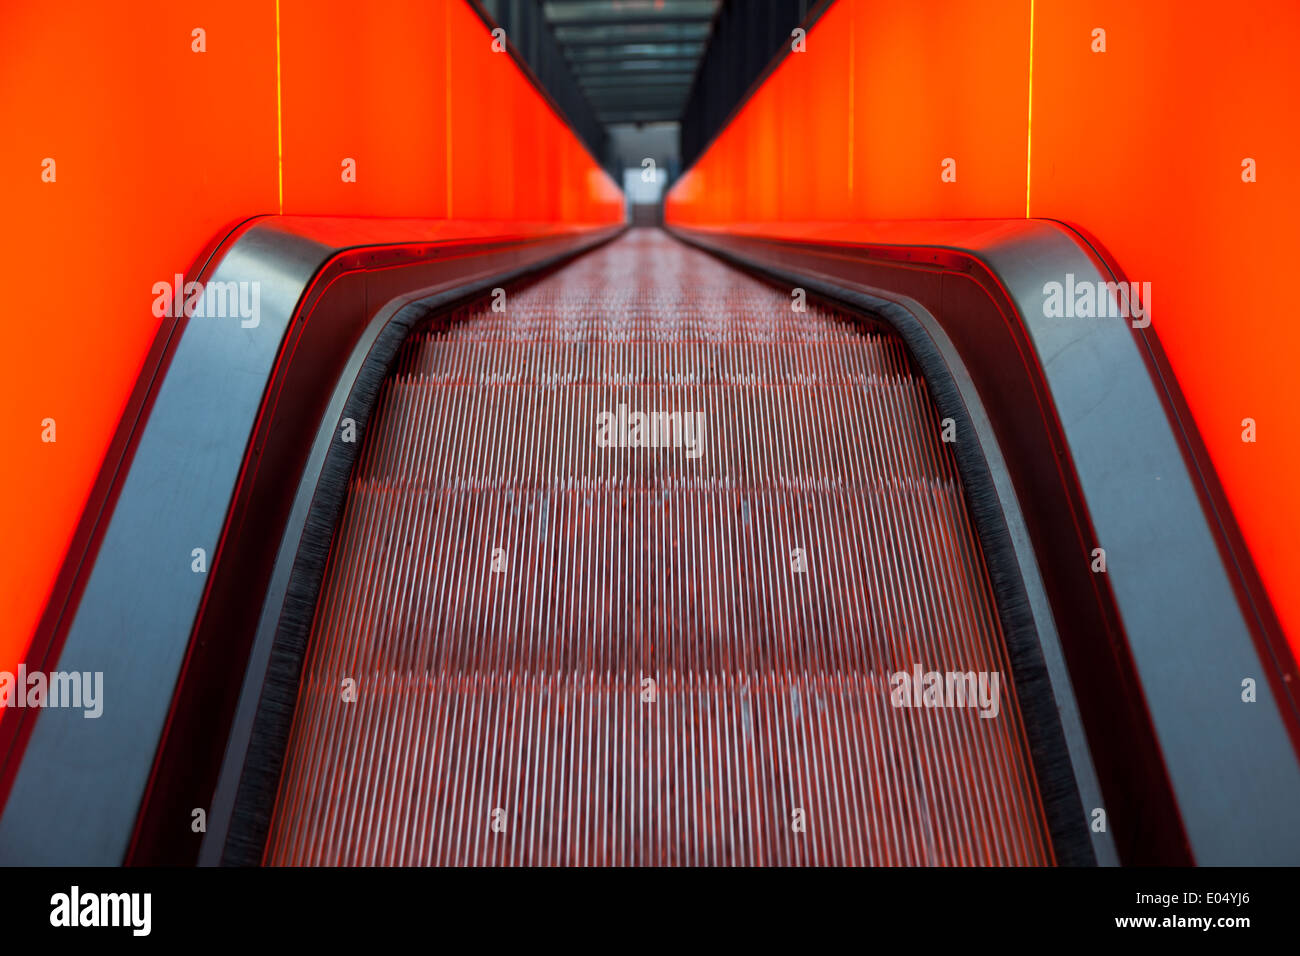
[
  {"x": 279, "y": 124},
  {"x": 1029, "y": 126}
]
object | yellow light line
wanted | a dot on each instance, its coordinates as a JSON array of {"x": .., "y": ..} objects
[
  {"x": 279, "y": 121},
  {"x": 851, "y": 108},
  {"x": 1029, "y": 126},
  {"x": 446, "y": 105}
]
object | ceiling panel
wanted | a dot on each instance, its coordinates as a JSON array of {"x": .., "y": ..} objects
[{"x": 633, "y": 59}]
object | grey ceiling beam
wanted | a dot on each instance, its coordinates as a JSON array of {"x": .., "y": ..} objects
[
  {"x": 638, "y": 75},
  {"x": 605, "y": 36},
  {"x": 565, "y": 10},
  {"x": 657, "y": 116},
  {"x": 633, "y": 82},
  {"x": 638, "y": 51},
  {"x": 618, "y": 22},
  {"x": 637, "y": 103},
  {"x": 642, "y": 67}
]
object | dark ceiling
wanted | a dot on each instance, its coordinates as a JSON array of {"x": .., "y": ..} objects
[{"x": 634, "y": 60}]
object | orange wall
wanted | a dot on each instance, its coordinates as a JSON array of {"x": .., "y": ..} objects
[
  {"x": 157, "y": 148},
  {"x": 1140, "y": 146}
]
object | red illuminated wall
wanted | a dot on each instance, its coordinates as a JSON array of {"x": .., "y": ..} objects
[
  {"x": 1140, "y": 146},
  {"x": 158, "y": 148}
]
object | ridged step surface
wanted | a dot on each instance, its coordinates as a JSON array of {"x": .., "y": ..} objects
[{"x": 531, "y": 649}]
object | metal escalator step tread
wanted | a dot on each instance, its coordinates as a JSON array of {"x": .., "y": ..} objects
[{"x": 533, "y": 650}]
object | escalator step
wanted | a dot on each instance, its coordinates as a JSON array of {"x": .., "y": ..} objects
[{"x": 531, "y": 649}]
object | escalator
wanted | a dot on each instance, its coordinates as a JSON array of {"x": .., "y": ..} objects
[
  {"x": 596, "y": 546},
  {"x": 451, "y": 521},
  {"x": 530, "y": 649}
]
